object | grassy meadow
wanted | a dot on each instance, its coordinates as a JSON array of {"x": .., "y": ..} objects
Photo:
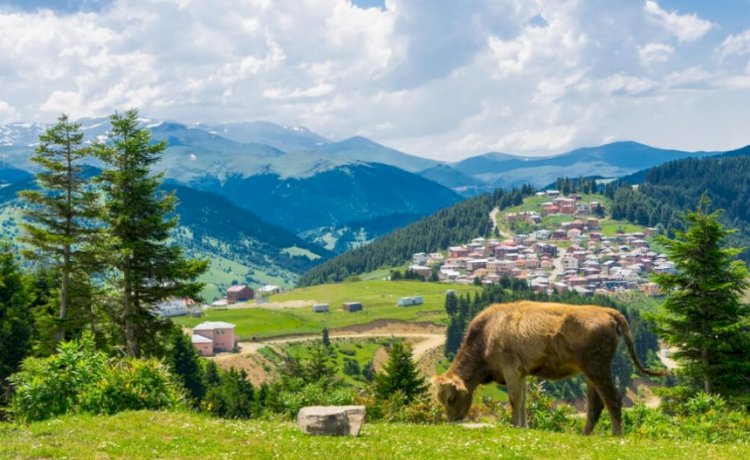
[
  {"x": 378, "y": 297},
  {"x": 183, "y": 435}
]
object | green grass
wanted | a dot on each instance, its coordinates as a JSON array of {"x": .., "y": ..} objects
[
  {"x": 220, "y": 275},
  {"x": 381, "y": 274},
  {"x": 146, "y": 435},
  {"x": 378, "y": 297},
  {"x": 360, "y": 350},
  {"x": 295, "y": 251},
  {"x": 610, "y": 227}
]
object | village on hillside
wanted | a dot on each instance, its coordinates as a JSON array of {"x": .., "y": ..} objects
[{"x": 572, "y": 254}]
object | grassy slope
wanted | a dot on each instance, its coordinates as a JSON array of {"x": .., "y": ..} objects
[
  {"x": 136, "y": 435},
  {"x": 534, "y": 203},
  {"x": 378, "y": 297}
]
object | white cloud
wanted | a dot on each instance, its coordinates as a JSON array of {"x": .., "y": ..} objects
[
  {"x": 736, "y": 45},
  {"x": 8, "y": 113},
  {"x": 435, "y": 77},
  {"x": 553, "y": 138},
  {"x": 689, "y": 78},
  {"x": 686, "y": 27},
  {"x": 655, "y": 53}
]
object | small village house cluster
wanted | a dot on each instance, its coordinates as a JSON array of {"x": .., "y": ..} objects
[{"x": 571, "y": 256}]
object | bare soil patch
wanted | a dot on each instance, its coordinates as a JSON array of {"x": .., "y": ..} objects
[
  {"x": 388, "y": 326},
  {"x": 259, "y": 370}
]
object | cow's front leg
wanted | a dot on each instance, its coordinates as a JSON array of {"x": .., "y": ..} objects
[{"x": 516, "y": 385}]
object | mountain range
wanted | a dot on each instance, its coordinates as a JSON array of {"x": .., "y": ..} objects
[
  {"x": 329, "y": 195},
  {"x": 255, "y": 148}
]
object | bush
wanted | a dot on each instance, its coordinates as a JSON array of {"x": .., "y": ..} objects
[
  {"x": 398, "y": 409},
  {"x": 351, "y": 367},
  {"x": 544, "y": 414},
  {"x": 131, "y": 384},
  {"x": 289, "y": 395},
  {"x": 232, "y": 396},
  {"x": 80, "y": 379}
]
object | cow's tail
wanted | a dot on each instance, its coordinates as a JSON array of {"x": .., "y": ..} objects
[{"x": 624, "y": 329}]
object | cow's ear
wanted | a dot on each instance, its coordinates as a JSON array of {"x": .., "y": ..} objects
[{"x": 459, "y": 385}]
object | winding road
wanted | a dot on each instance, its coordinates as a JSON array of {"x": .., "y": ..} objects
[{"x": 426, "y": 342}]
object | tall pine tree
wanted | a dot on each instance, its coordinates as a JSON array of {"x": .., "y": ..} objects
[
  {"x": 705, "y": 317},
  {"x": 61, "y": 223},
  {"x": 139, "y": 219}
]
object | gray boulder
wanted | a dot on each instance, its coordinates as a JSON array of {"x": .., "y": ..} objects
[{"x": 331, "y": 420}]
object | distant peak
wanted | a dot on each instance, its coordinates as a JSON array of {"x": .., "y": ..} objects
[{"x": 359, "y": 141}]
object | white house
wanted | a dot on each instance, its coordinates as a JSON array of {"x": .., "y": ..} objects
[
  {"x": 269, "y": 289},
  {"x": 173, "y": 307},
  {"x": 419, "y": 258}
]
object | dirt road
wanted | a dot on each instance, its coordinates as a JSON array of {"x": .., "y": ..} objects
[{"x": 426, "y": 342}]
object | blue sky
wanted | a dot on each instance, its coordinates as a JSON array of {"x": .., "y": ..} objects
[{"x": 436, "y": 78}]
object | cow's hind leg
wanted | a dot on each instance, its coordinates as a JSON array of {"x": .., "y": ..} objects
[
  {"x": 594, "y": 406},
  {"x": 612, "y": 400}
]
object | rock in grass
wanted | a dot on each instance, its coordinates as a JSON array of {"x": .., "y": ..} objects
[{"x": 331, "y": 420}]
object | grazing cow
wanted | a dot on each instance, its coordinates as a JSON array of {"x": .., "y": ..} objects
[{"x": 507, "y": 342}]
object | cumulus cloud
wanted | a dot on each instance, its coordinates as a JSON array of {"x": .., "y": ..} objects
[
  {"x": 736, "y": 45},
  {"x": 655, "y": 53},
  {"x": 439, "y": 78},
  {"x": 686, "y": 27},
  {"x": 8, "y": 113}
]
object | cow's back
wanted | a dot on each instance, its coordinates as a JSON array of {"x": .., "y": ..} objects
[{"x": 544, "y": 339}]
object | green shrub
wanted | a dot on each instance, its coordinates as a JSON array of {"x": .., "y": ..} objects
[
  {"x": 287, "y": 396},
  {"x": 544, "y": 414},
  {"x": 703, "y": 403},
  {"x": 232, "y": 396},
  {"x": 80, "y": 379},
  {"x": 131, "y": 384},
  {"x": 351, "y": 367}
]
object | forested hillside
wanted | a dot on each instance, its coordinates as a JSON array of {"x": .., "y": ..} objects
[
  {"x": 457, "y": 224},
  {"x": 218, "y": 227},
  {"x": 347, "y": 193},
  {"x": 668, "y": 190},
  {"x": 212, "y": 227}
]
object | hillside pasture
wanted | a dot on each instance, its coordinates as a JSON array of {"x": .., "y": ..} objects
[{"x": 378, "y": 298}]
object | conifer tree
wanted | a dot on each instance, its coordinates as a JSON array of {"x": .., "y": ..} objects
[
  {"x": 318, "y": 366},
  {"x": 211, "y": 375},
  {"x": 139, "y": 219},
  {"x": 16, "y": 320},
  {"x": 451, "y": 303},
  {"x": 454, "y": 335},
  {"x": 61, "y": 222},
  {"x": 705, "y": 318},
  {"x": 184, "y": 362},
  {"x": 401, "y": 374}
]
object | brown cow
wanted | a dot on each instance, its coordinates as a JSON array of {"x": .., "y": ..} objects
[{"x": 507, "y": 342}]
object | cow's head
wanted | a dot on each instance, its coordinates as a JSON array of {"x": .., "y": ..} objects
[{"x": 451, "y": 392}]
